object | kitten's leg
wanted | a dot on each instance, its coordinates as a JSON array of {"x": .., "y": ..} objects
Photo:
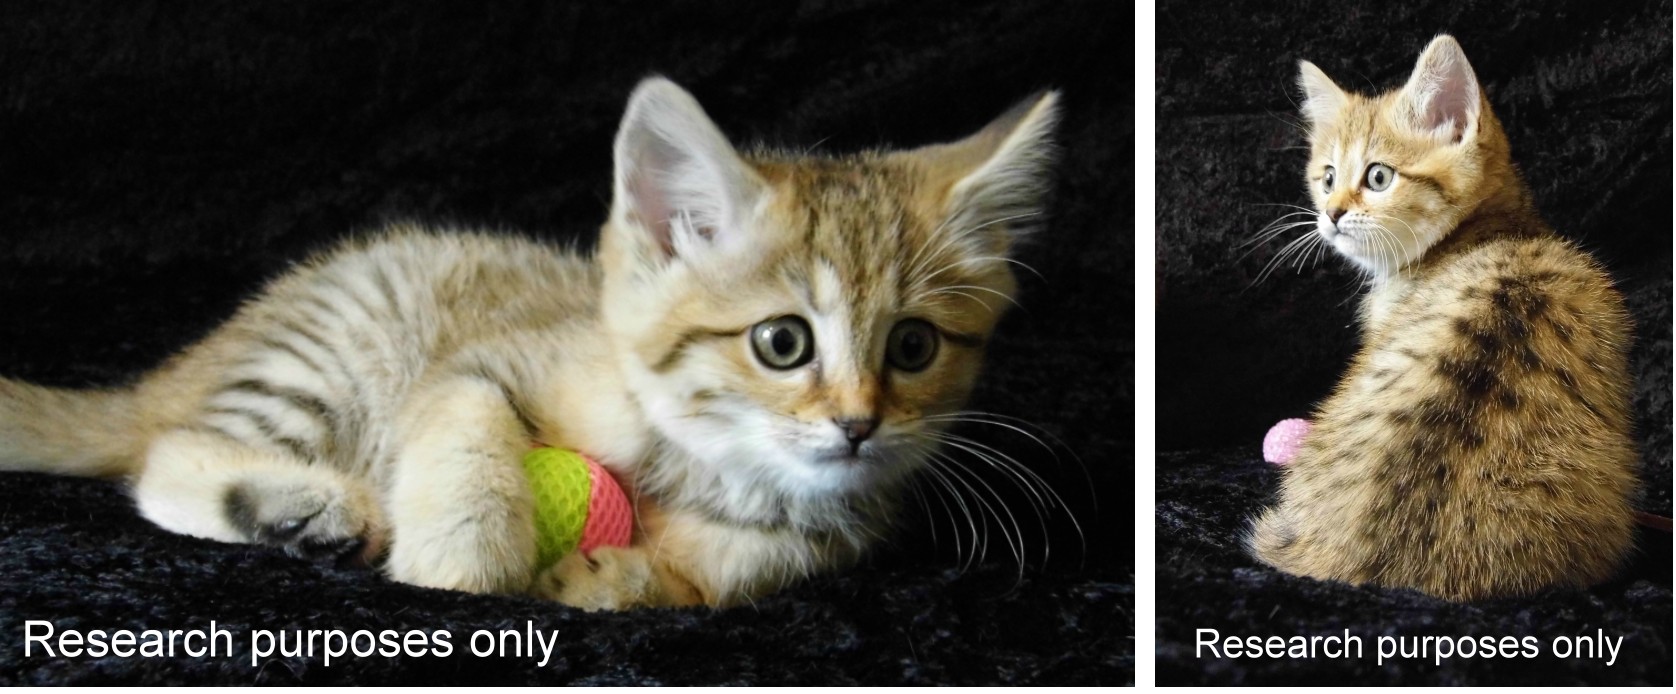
[
  {"x": 461, "y": 510},
  {"x": 205, "y": 484},
  {"x": 685, "y": 558},
  {"x": 617, "y": 578}
]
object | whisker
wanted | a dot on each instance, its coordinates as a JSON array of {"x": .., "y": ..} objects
[
  {"x": 1279, "y": 258},
  {"x": 1042, "y": 495},
  {"x": 1013, "y": 538}
]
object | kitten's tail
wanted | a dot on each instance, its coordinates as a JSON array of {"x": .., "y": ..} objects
[{"x": 90, "y": 433}]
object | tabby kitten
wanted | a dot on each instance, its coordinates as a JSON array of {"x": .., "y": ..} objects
[
  {"x": 763, "y": 349},
  {"x": 1479, "y": 445}
]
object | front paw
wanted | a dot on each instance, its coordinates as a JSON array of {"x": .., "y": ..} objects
[{"x": 610, "y": 578}]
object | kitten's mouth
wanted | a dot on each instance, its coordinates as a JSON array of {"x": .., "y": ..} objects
[{"x": 841, "y": 456}]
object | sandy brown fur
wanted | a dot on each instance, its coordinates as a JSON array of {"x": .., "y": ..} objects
[{"x": 1479, "y": 444}]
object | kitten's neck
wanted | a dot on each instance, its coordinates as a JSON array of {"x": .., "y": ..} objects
[{"x": 1507, "y": 210}]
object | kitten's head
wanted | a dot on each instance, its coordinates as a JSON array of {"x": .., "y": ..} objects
[
  {"x": 800, "y": 323},
  {"x": 1392, "y": 175}
]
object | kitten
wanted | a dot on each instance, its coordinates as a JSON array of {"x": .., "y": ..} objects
[
  {"x": 763, "y": 349},
  {"x": 1479, "y": 445}
]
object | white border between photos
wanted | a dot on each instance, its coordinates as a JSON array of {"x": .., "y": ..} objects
[{"x": 1146, "y": 559}]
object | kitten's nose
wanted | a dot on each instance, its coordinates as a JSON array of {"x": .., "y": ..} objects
[
  {"x": 1334, "y": 213},
  {"x": 856, "y": 429}
]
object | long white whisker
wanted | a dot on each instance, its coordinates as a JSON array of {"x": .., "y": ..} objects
[
  {"x": 1015, "y": 537},
  {"x": 1279, "y": 258}
]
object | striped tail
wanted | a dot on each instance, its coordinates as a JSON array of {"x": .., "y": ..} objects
[{"x": 88, "y": 433}]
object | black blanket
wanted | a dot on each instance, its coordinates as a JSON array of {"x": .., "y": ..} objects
[
  {"x": 160, "y": 160},
  {"x": 1584, "y": 91}
]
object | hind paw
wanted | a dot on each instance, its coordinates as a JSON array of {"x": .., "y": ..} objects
[{"x": 306, "y": 521}]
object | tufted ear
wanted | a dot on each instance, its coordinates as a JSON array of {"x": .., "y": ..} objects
[
  {"x": 997, "y": 178},
  {"x": 1442, "y": 96},
  {"x": 680, "y": 187},
  {"x": 1322, "y": 98}
]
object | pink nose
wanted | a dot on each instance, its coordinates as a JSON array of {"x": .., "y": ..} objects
[
  {"x": 856, "y": 429},
  {"x": 1334, "y": 213}
]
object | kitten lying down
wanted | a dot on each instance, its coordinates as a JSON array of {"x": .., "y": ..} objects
[{"x": 764, "y": 348}]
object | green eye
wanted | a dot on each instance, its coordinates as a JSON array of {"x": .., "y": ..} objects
[
  {"x": 1327, "y": 180},
  {"x": 1380, "y": 177},
  {"x": 912, "y": 345},
  {"x": 783, "y": 343}
]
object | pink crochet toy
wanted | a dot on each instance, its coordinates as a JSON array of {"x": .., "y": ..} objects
[{"x": 1284, "y": 439}]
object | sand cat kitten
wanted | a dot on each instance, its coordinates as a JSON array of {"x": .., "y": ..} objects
[
  {"x": 1479, "y": 444},
  {"x": 760, "y": 350}
]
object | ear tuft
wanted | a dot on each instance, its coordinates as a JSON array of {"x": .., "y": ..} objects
[
  {"x": 1442, "y": 96},
  {"x": 1322, "y": 97},
  {"x": 679, "y": 183}
]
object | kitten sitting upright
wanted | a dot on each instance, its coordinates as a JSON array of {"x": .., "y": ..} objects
[
  {"x": 763, "y": 349},
  {"x": 1479, "y": 445}
]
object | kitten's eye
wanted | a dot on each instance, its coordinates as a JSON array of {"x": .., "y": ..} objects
[
  {"x": 783, "y": 343},
  {"x": 1327, "y": 180},
  {"x": 1380, "y": 177},
  {"x": 913, "y": 343}
]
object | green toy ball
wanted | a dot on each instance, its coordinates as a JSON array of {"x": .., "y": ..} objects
[{"x": 578, "y": 506}]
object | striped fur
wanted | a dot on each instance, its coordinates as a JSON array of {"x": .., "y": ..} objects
[
  {"x": 374, "y": 403},
  {"x": 1479, "y": 445}
]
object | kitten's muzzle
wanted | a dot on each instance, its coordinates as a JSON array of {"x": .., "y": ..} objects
[
  {"x": 1334, "y": 213},
  {"x": 856, "y": 430}
]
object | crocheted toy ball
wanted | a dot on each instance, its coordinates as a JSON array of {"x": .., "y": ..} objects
[
  {"x": 1284, "y": 439},
  {"x": 578, "y": 506}
]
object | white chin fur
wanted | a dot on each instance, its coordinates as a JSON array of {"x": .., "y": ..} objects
[
  {"x": 749, "y": 454},
  {"x": 1378, "y": 252}
]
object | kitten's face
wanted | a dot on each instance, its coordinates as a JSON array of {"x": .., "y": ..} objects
[
  {"x": 1391, "y": 175},
  {"x": 812, "y": 336},
  {"x": 819, "y": 362}
]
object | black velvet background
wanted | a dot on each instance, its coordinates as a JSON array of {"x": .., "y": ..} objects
[
  {"x": 159, "y": 160},
  {"x": 1584, "y": 90}
]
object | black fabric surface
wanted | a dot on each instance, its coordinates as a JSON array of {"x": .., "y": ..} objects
[
  {"x": 1584, "y": 91},
  {"x": 159, "y": 161}
]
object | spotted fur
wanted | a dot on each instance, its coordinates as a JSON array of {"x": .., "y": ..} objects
[
  {"x": 375, "y": 402},
  {"x": 1479, "y": 444}
]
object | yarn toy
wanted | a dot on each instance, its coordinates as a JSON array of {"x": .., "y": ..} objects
[
  {"x": 1284, "y": 439},
  {"x": 578, "y": 506}
]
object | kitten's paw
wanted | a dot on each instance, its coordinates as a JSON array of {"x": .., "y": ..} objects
[
  {"x": 610, "y": 578},
  {"x": 312, "y": 521}
]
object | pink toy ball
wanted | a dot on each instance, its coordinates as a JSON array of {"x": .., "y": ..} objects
[
  {"x": 610, "y": 515},
  {"x": 1284, "y": 439}
]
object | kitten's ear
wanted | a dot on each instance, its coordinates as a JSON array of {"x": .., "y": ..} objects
[
  {"x": 1322, "y": 98},
  {"x": 680, "y": 186},
  {"x": 997, "y": 178},
  {"x": 1442, "y": 96}
]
